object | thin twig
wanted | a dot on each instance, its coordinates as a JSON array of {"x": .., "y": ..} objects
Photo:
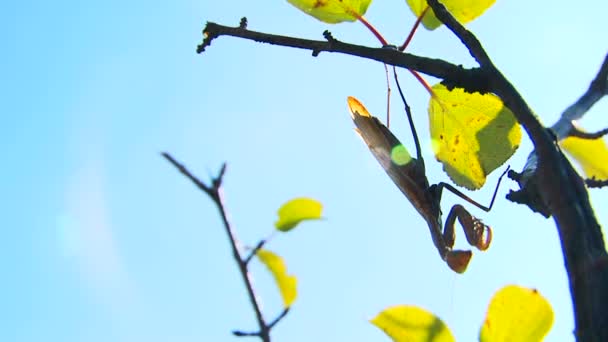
[
  {"x": 279, "y": 317},
  {"x": 182, "y": 169},
  {"x": 245, "y": 333},
  {"x": 595, "y": 183},
  {"x": 597, "y": 89},
  {"x": 215, "y": 193},
  {"x": 576, "y": 132}
]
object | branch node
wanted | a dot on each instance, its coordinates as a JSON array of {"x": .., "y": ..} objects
[
  {"x": 217, "y": 181},
  {"x": 243, "y": 23},
  {"x": 329, "y": 37}
]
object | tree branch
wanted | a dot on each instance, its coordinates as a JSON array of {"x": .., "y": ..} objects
[
  {"x": 215, "y": 193},
  {"x": 576, "y": 132},
  {"x": 594, "y": 183},
  {"x": 471, "y": 79},
  {"x": 597, "y": 89},
  {"x": 564, "y": 194}
]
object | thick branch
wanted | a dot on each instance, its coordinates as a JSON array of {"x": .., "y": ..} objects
[
  {"x": 564, "y": 193},
  {"x": 215, "y": 193},
  {"x": 564, "y": 127}
]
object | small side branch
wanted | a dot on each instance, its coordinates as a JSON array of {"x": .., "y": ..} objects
[
  {"x": 279, "y": 318},
  {"x": 597, "y": 89},
  {"x": 594, "y": 183},
  {"x": 214, "y": 191},
  {"x": 575, "y": 132}
]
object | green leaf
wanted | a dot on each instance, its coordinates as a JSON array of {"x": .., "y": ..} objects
[
  {"x": 333, "y": 11},
  {"x": 296, "y": 211},
  {"x": 517, "y": 314},
  {"x": 463, "y": 10},
  {"x": 591, "y": 154},
  {"x": 404, "y": 323},
  {"x": 472, "y": 134},
  {"x": 286, "y": 283}
]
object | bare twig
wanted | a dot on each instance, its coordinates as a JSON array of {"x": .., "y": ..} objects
[
  {"x": 576, "y": 132},
  {"x": 215, "y": 193},
  {"x": 245, "y": 333},
  {"x": 597, "y": 89},
  {"x": 594, "y": 183}
]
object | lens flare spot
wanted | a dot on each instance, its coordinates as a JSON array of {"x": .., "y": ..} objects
[{"x": 400, "y": 155}]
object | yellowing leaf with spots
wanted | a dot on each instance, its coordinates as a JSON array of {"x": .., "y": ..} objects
[
  {"x": 285, "y": 282},
  {"x": 333, "y": 11},
  {"x": 405, "y": 323},
  {"x": 463, "y": 10},
  {"x": 591, "y": 154},
  {"x": 297, "y": 210},
  {"x": 517, "y": 314},
  {"x": 471, "y": 134}
]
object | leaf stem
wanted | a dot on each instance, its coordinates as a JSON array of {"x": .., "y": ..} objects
[
  {"x": 255, "y": 250},
  {"x": 371, "y": 28},
  {"x": 413, "y": 30},
  {"x": 423, "y": 82}
]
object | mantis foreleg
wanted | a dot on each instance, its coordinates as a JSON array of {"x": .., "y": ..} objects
[{"x": 478, "y": 234}]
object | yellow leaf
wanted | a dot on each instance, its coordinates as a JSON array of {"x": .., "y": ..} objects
[
  {"x": 404, "y": 323},
  {"x": 471, "y": 134},
  {"x": 332, "y": 11},
  {"x": 463, "y": 10},
  {"x": 517, "y": 314},
  {"x": 592, "y": 155},
  {"x": 285, "y": 282},
  {"x": 296, "y": 211}
]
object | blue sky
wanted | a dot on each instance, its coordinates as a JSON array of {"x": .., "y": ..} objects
[{"x": 105, "y": 241}]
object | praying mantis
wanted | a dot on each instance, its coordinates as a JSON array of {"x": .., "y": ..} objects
[{"x": 409, "y": 175}]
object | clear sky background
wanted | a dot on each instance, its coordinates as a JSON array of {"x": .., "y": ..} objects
[{"x": 104, "y": 241}]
